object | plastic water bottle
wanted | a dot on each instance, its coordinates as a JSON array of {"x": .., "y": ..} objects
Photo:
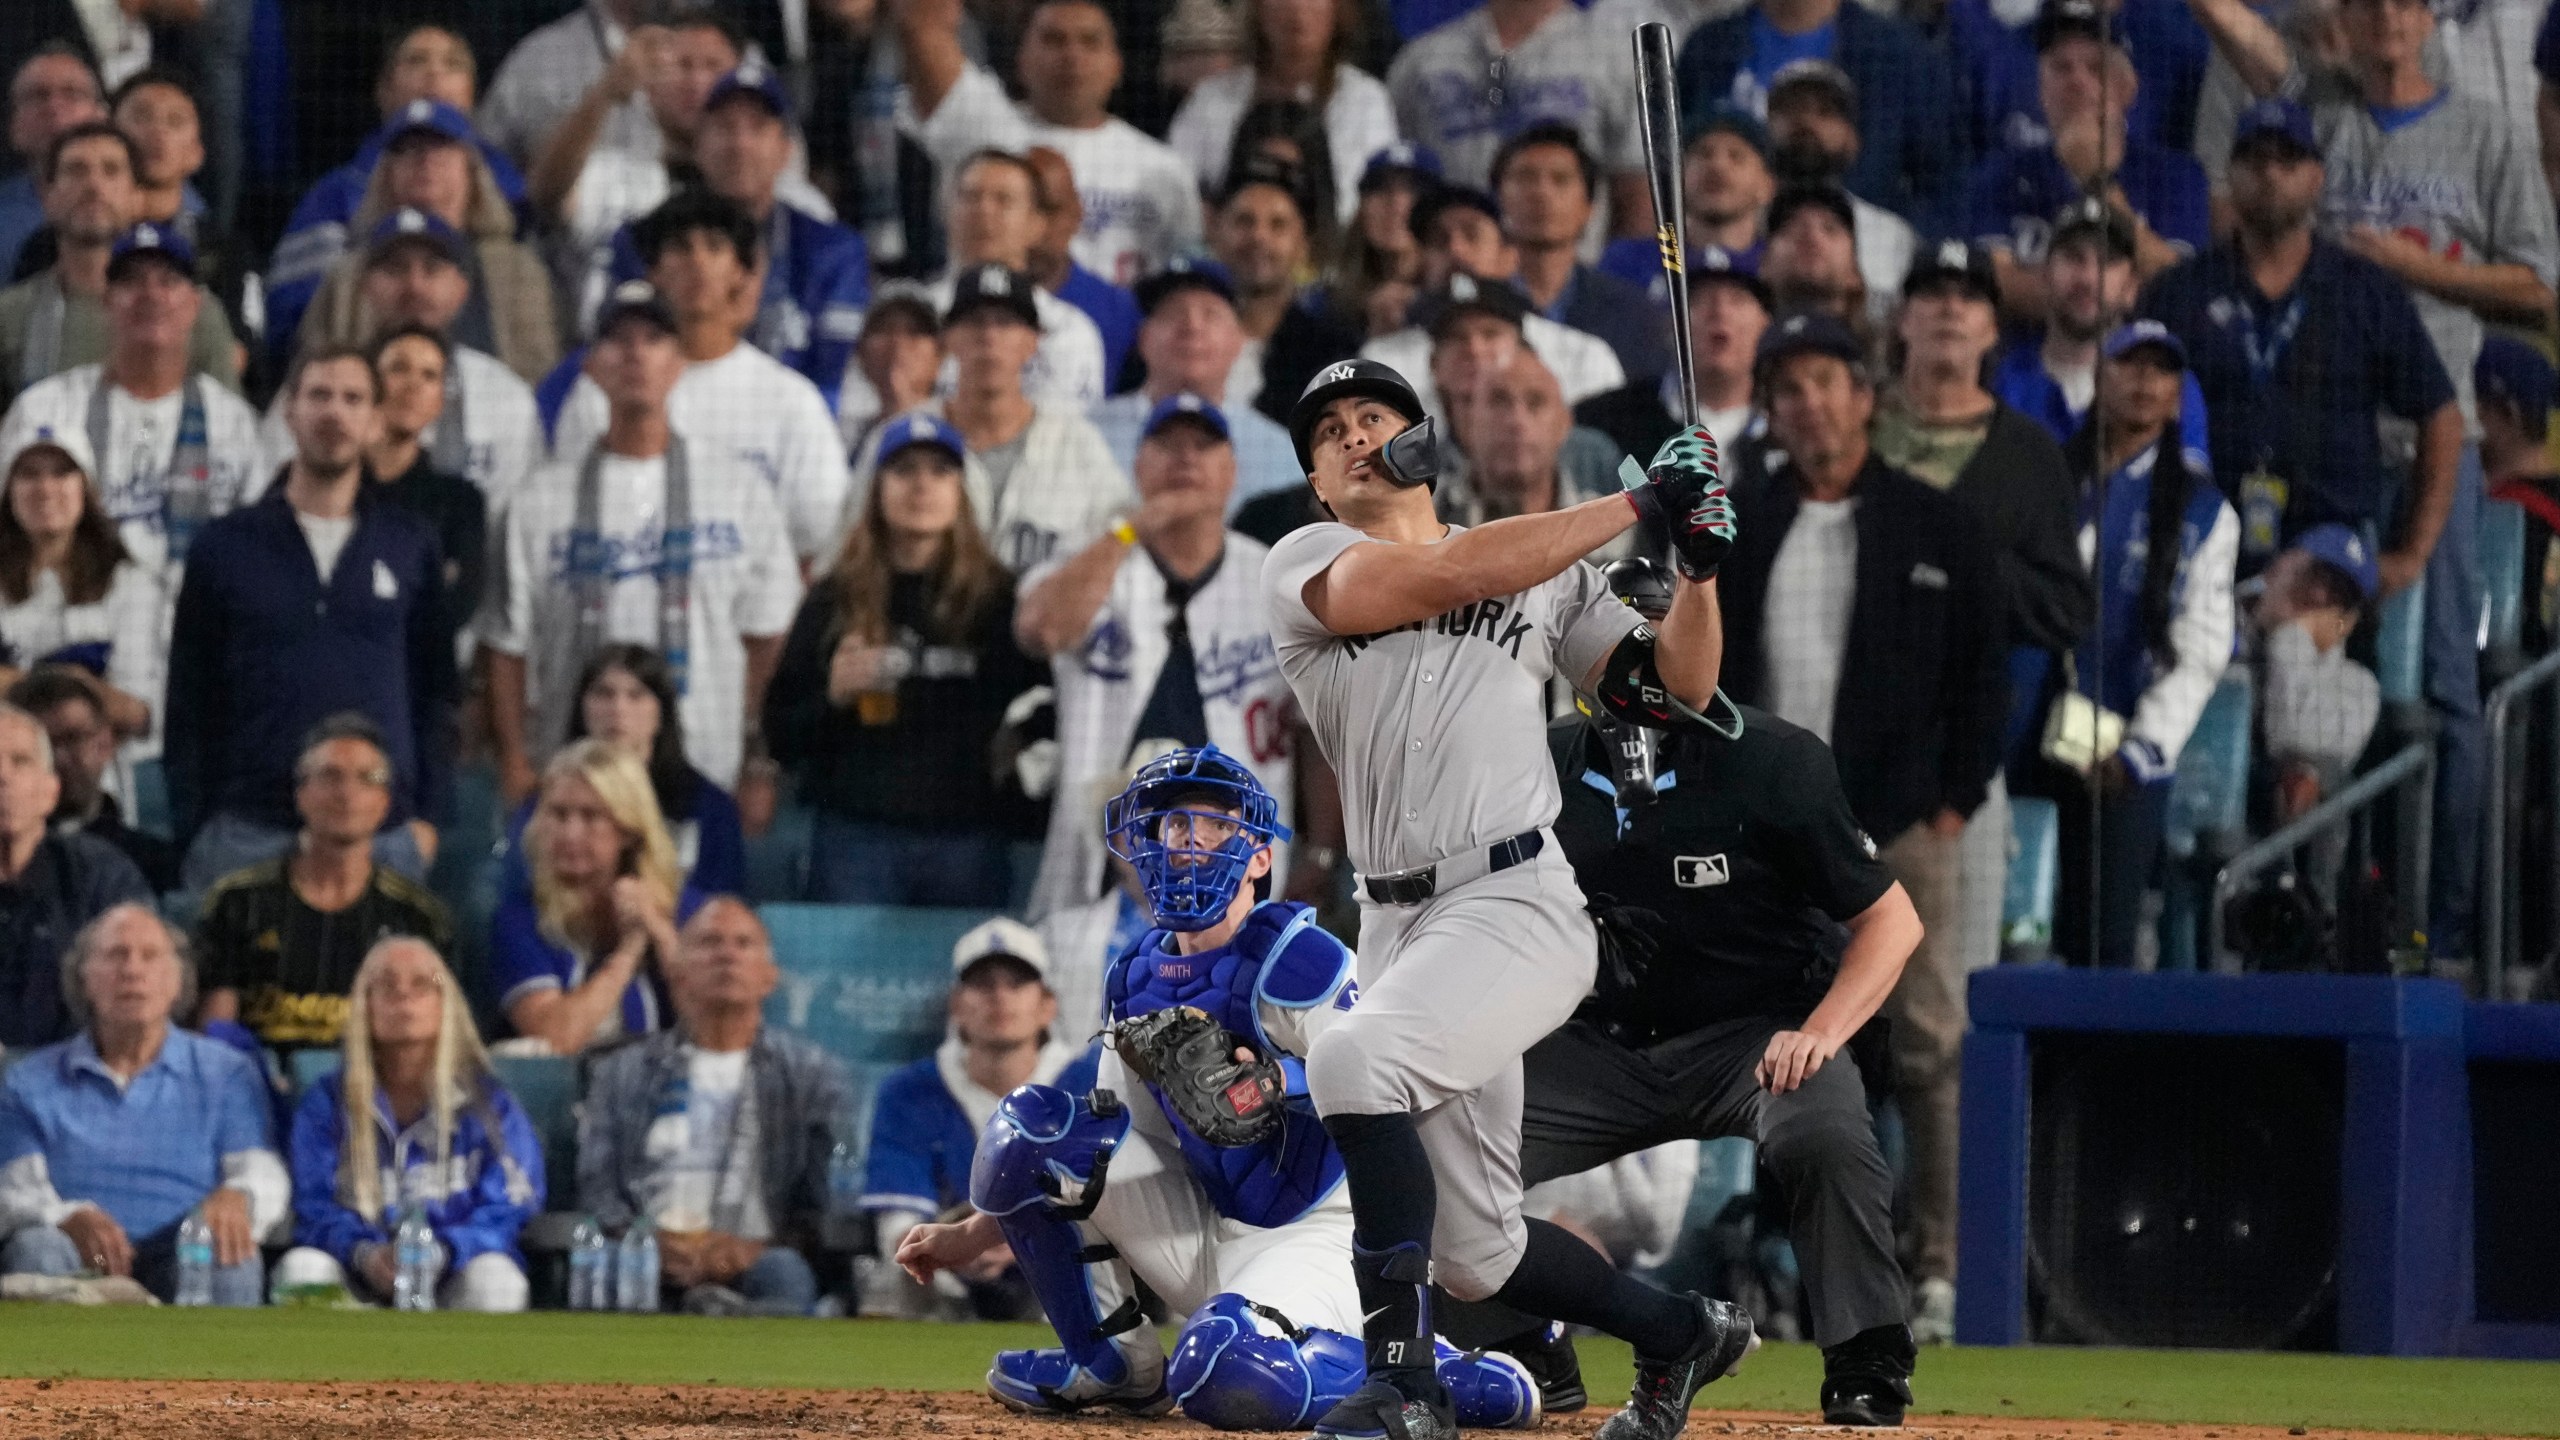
[
  {"x": 590, "y": 1267},
  {"x": 415, "y": 1262},
  {"x": 636, "y": 1268},
  {"x": 844, "y": 1180},
  {"x": 195, "y": 1259}
]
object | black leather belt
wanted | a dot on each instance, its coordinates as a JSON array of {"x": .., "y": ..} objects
[{"x": 1412, "y": 887}]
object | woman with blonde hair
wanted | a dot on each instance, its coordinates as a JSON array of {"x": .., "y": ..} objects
[
  {"x": 437, "y": 1131},
  {"x": 579, "y": 959}
]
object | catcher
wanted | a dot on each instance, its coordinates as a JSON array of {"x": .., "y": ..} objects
[{"x": 1196, "y": 1165}]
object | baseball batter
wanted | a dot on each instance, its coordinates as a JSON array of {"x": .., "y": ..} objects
[{"x": 1419, "y": 653}]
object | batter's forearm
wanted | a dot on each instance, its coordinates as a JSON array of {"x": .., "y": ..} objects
[
  {"x": 1690, "y": 651},
  {"x": 1374, "y": 588},
  {"x": 1881, "y": 940}
]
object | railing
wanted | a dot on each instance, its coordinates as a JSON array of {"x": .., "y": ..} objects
[
  {"x": 2501, "y": 899},
  {"x": 2411, "y": 774}
]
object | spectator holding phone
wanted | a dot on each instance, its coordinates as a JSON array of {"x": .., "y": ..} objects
[{"x": 579, "y": 958}]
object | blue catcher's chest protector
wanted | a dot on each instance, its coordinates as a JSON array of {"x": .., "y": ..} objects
[{"x": 1279, "y": 955}]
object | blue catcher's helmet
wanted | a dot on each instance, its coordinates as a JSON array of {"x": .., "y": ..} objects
[{"x": 1190, "y": 886}]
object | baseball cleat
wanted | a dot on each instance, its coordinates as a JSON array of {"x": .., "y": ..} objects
[
  {"x": 1046, "y": 1382},
  {"x": 1551, "y": 1360},
  {"x": 1380, "y": 1411},
  {"x": 1488, "y": 1389},
  {"x": 1658, "y": 1409}
]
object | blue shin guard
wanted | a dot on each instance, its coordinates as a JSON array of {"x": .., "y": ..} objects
[{"x": 1040, "y": 1169}]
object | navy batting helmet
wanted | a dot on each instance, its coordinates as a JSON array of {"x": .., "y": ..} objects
[{"x": 1364, "y": 378}]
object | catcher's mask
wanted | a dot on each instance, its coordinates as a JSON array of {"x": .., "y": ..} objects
[{"x": 1192, "y": 868}]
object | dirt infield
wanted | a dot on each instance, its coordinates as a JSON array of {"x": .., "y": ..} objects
[{"x": 218, "y": 1410}]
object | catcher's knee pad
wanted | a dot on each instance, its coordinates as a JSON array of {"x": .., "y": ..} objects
[
  {"x": 1242, "y": 1366},
  {"x": 1040, "y": 1168}
]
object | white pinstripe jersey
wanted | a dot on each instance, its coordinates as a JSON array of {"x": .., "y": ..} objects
[{"x": 1104, "y": 682}]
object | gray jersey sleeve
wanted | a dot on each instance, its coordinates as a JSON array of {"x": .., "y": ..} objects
[
  {"x": 1301, "y": 556},
  {"x": 1590, "y": 621}
]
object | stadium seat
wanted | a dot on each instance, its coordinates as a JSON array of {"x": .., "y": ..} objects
[
  {"x": 2035, "y": 863},
  {"x": 2400, "y": 649},
  {"x": 871, "y": 983},
  {"x": 308, "y": 1067},
  {"x": 546, "y": 1086},
  {"x": 2208, "y": 813}
]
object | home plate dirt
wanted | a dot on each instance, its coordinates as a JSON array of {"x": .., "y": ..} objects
[{"x": 221, "y": 1410}]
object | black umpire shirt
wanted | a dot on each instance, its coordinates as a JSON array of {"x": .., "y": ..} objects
[{"x": 1749, "y": 854}]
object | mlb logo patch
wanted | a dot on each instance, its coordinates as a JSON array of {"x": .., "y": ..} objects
[{"x": 1697, "y": 872}]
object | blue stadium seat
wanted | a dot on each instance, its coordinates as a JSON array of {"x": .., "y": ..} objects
[
  {"x": 871, "y": 983},
  {"x": 2035, "y": 863},
  {"x": 546, "y": 1086},
  {"x": 309, "y": 1067},
  {"x": 2400, "y": 650},
  {"x": 2208, "y": 812}
]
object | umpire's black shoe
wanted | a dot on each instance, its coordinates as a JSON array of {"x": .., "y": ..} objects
[
  {"x": 1380, "y": 1411},
  {"x": 1866, "y": 1379},
  {"x": 1659, "y": 1407},
  {"x": 1549, "y": 1358}
]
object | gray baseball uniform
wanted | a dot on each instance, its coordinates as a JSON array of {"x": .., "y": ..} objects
[{"x": 1438, "y": 731}]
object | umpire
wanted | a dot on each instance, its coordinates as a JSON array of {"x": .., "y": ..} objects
[{"x": 1774, "y": 934}]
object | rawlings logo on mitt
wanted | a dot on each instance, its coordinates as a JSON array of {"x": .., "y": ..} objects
[{"x": 1191, "y": 1060}]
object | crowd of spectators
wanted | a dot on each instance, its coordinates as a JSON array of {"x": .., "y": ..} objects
[{"x": 701, "y": 418}]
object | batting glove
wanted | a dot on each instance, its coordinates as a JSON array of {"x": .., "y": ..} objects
[{"x": 1684, "y": 490}]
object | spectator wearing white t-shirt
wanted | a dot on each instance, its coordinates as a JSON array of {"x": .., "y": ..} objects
[
  {"x": 586, "y": 560},
  {"x": 764, "y": 417},
  {"x": 1141, "y": 199},
  {"x": 1041, "y": 479},
  {"x": 1295, "y": 50},
  {"x": 488, "y": 431},
  {"x": 544, "y": 79},
  {"x": 174, "y": 447},
  {"x": 994, "y": 218}
]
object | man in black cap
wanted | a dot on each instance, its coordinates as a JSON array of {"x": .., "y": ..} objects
[
  {"x": 1729, "y": 310},
  {"x": 1939, "y": 425},
  {"x": 2089, "y": 286},
  {"x": 1583, "y": 362},
  {"x": 1814, "y": 140},
  {"x": 1862, "y": 605},
  {"x": 1189, "y": 343},
  {"x": 1811, "y": 260}
]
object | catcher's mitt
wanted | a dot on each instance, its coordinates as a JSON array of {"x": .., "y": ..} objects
[{"x": 1191, "y": 1060}]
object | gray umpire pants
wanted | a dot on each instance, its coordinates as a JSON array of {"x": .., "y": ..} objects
[{"x": 1591, "y": 1100}]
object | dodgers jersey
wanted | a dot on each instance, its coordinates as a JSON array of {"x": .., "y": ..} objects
[
  {"x": 1437, "y": 728},
  {"x": 1106, "y": 678}
]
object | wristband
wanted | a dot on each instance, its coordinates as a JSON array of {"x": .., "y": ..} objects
[{"x": 1123, "y": 531}]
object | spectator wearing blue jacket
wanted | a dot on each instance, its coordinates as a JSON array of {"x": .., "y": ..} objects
[
  {"x": 438, "y": 1132},
  {"x": 426, "y": 62},
  {"x": 324, "y": 596},
  {"x": 817, "y": 275},
  {"x": 1992, "y": 47},
  {"x": 2088, "y": 83},
  {"x": 926, "y": 1117},
  {"x": 2162, "y": 542},
  {"x": 1911, "y": 159}
]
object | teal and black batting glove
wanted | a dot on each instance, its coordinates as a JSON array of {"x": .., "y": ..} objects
[{"x": 1684, "y": 490}]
